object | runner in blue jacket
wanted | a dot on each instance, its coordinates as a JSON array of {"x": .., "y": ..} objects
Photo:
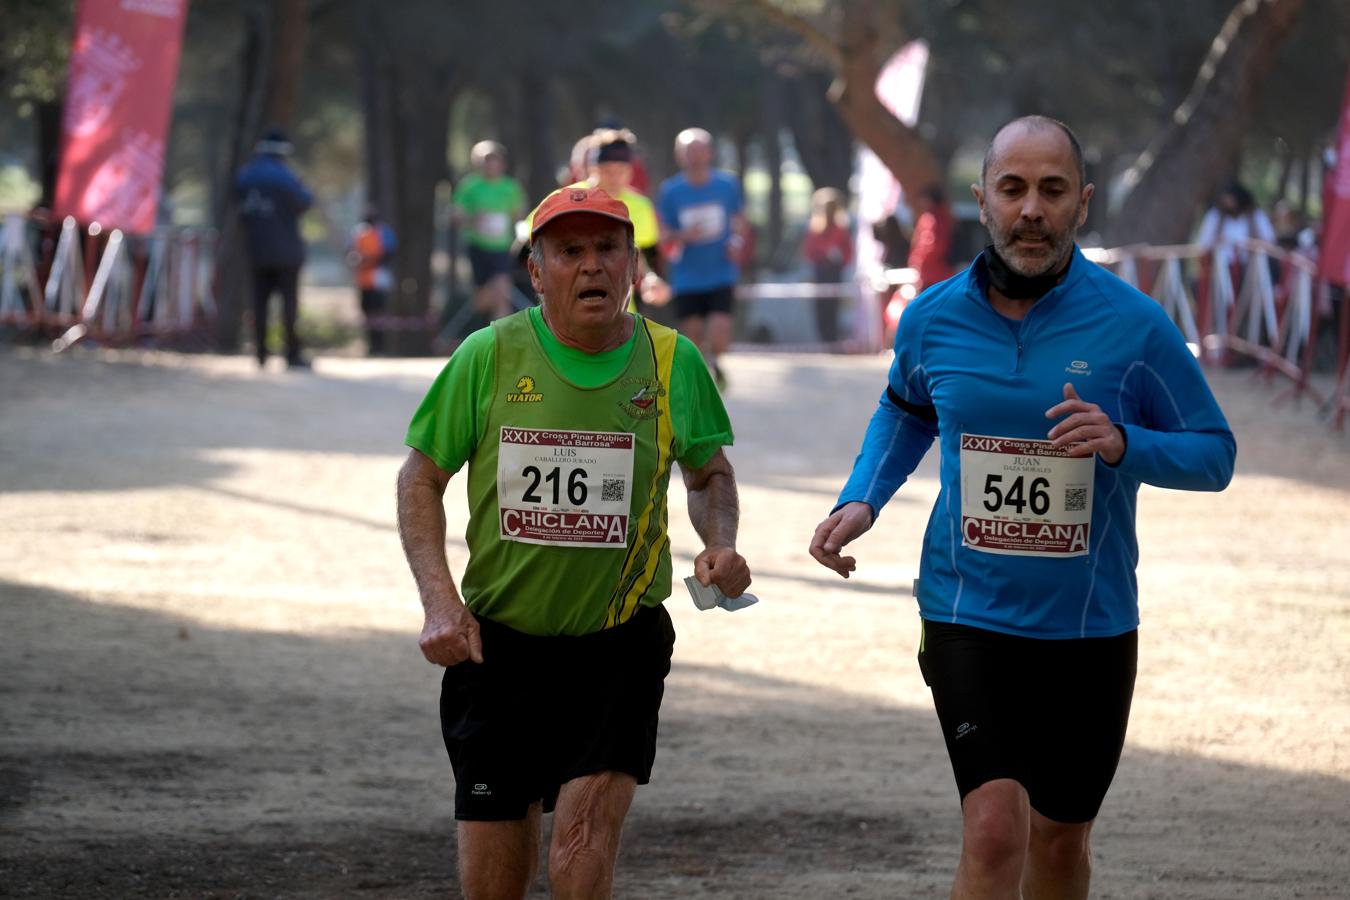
[{"x": 1054, "y": 390}]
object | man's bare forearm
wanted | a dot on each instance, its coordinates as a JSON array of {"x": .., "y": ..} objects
[
  {"x": 715, "y": 510},
  {"x": 421, "y": 528}
]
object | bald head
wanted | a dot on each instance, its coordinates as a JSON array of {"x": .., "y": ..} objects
[
  {"x": 1027, "y": 124},
  {"x": 694, "y": 151}
]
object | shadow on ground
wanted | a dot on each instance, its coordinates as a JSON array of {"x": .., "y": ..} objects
[{"x": 142, "y": 758}]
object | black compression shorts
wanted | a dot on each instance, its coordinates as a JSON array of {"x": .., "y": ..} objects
[
  {"x": 488, "y": 264},
  {"x": 541, "y": 711},
  {"x": 702, "y": 303},
  {"x": 1049, "y": 714}
]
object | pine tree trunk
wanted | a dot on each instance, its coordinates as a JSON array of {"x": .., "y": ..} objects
[
  {"x": 823, "y": 142},
  {"x": 539, "y": 111},
  {"x": 899, "y": 147},
  {"x": 274, "y": 52},
  {"x": 857, "y": 57},
  {"x": 1199, "y": 148},
  {"x": 775, "y": 100},
  {"x": 421, "y": 122},
  {"x": 232, "y": 283}
]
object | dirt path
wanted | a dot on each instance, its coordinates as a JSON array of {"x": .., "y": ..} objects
[{"x": 209, "y": 685}]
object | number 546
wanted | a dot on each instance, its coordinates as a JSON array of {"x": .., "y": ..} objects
[{"x": 1036, "y": 498}]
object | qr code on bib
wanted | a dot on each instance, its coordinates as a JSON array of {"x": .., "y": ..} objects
[
  {"x": 1075, "y": 499},
  {"x": 611, "y": 490}
]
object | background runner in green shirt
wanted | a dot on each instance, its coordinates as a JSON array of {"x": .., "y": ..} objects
[{"x": 486, "y": 204}]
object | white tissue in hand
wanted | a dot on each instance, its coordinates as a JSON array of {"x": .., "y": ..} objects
[{"x": 706, "y": 598}]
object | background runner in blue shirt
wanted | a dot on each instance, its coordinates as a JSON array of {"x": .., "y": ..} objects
[{"x": 702, "y": 220}]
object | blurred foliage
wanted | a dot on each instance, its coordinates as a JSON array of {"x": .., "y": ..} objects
[
  {"x": 539, "y": 75},
  {"x": 35, "y": 50}
]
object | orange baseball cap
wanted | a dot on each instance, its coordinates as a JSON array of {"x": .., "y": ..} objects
[{"x": 578, "y": 200}]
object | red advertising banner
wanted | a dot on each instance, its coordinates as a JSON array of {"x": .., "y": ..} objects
[
  {"x": 1335, "y": 264},
  {"x": 118, "y": 99}
]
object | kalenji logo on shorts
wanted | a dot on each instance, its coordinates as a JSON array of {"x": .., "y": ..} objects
[{"x": 481, "y": 790}]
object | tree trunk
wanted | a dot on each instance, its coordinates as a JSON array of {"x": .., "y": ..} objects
[
  {"x": 1307, "y": 159},
  {"x": 377, "y": 100},
  {"x": 774, "y": 102},
  {"x": 422, "y": 120},
  {"x": 1199, "y": 148},
  {"x": 48, "y": 131},
  {"x": 538, "y": 108},
  {"x": 273, "y": 60},
  {"x": 740, "y": 143},
  {"x": 822, "y": 140},
  {"x": 1286, "y": 154},
  {"x": 857, "y": 57},
  {"x": 899, "y": 147},
  {"x": 285, "y": 66},
  {"x": 232, "y": 283}
]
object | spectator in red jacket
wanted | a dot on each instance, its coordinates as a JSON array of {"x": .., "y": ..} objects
[
  {"x": 828, "y": 247},
  {"x": 930, "y": 250}
]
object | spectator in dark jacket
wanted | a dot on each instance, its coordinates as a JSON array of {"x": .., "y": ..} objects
[{"x": 271, "y": 200}]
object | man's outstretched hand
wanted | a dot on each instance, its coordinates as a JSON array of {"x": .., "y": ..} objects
[{"x": 839, "y": 529}]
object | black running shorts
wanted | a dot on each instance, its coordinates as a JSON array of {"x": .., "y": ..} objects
[
  {"x": 1049, "y": 714},
  {"x": 541, "y": 711},
  {"x": 488, "y": 264},
  {"x": 701, "y": 303}
]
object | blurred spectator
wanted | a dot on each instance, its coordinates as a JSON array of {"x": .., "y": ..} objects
[
  {"x": 271, "y": 200},
  {"x": 890, "y": 234},
  {"x": 828, "y": 247},
  {"x": 486, "y": 203},
  {"x": 1292, "y": 231},
  {"x": 1232, "y": 219},
  {"x": 930, "y": 250},
  {"x": 370, "y": 254}
]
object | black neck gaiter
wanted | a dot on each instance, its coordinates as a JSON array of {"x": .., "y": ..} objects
[{"x": 1020, "y": 287}]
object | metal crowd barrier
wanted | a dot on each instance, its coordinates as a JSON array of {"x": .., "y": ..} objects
[
  {"x": 58, "y": 279},
  {"x": 1229, "y": 303}
]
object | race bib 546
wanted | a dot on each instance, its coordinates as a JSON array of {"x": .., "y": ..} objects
[{"x": 1024, "y": 497}]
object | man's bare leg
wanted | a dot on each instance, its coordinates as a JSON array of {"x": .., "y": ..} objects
[
  {"x": 500, "y": 286},
  {"x": 499, "y": 860},
  {"x": 994, "y": 839},
  {"x": 587, "y": 824},
  {"x": 692, "y": 328},
  {"x": 1059, "y": 860},
  {"x": 720, "y": 326}
]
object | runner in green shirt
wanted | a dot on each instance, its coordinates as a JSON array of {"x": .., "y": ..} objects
[
  {"x": 486, "y": 204},
  {"x": 569, "y": 417}
]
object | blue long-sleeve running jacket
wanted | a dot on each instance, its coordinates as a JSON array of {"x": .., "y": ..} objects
[{"x": 961, "y": 367}]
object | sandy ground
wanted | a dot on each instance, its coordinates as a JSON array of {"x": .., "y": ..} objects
[{"x": 210, "y": 687}]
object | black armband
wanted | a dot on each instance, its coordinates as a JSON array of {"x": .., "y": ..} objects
[{"x": 924, "y": 412}]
